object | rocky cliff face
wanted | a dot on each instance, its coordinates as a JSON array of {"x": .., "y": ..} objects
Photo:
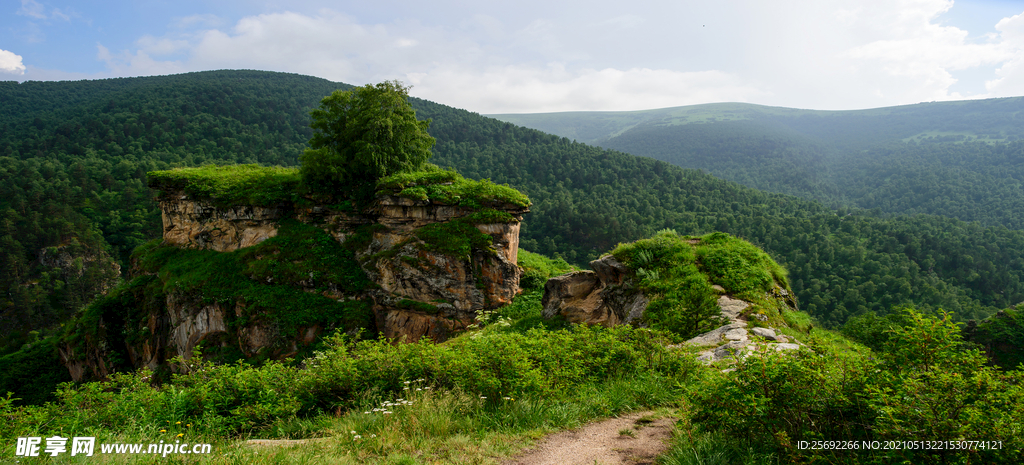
[
  {"x": 426, "y": 292},
  {"x": 422, "y": 289},
  {"x": 201, "y": 225}
]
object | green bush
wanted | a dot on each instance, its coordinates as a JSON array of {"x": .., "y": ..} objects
[
  {"x": 457, "y": 237},
  {"x": 682, "y": 300},
  {"x": 1002, "y": 337},
  {"x": 738, "y": 266},
  {"x": 238, "y": 398},
  {"x": 537, "y": 269},
  {"x": 449, "y": 187},
  {"x": 33, "y": 373},
  {"x": 925, "y": 385},
  {"x": 872, "y": 330}
]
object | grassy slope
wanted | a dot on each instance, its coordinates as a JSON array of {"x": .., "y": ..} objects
[{"x": 480, "y": 396}]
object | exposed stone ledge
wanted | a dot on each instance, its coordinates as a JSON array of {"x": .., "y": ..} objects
[{"x": 602, "y": 296}]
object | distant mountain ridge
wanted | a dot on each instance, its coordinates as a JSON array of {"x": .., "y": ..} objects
[
  {"x": 959, "y": 159},
  {"x": 992, "y": 120}
]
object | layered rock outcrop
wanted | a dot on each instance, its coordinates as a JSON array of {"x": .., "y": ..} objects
[
  {"x": 419, "y": 289},
  {"x": 457, "y": 287},
  {"x": 715, "y": 281},
  {"x": 201, "y": 225},
  {"x": 604, "y": 296}
]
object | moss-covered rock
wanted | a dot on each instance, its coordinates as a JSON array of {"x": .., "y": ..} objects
[
  {"x": 678, "y": 281},
  {"x": 250, "y": 268}
]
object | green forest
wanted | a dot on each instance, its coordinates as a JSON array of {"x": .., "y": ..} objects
[
  {"x": 75, "y": 156},
  {"x": 954, "y": 159},
  {"x": 921, "y": 295}
]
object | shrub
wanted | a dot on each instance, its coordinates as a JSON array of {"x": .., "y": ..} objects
[
  {"x": 449, "y": 187},
  {"x": 926, "y": 385},
  {"x": 537, "y": 269}
]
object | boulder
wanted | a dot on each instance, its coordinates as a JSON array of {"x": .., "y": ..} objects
[
  {"x": 731, "y": 308},
  {"x": 604, "y": 296},
  {"x": 766, "y": 333}
]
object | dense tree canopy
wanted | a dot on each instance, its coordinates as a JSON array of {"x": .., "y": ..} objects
[
  {"x": 74, "y": 157},
  {"x": 363, "y": 135}
]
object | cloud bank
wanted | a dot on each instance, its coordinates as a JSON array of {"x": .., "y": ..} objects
[{"x": 829, "y": 54}]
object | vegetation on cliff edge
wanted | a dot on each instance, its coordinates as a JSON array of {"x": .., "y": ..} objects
[
  {"x": 677, "y": 273},
  {"x": 231, "y": 184}
]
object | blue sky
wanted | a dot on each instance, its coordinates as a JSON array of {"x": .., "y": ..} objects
[{"x": 538, "y": 56}]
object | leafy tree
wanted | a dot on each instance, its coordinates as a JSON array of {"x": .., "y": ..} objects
[{"x": 363, "y": 135}]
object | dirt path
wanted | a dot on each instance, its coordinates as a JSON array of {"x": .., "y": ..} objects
[{"x": 602, "y": 443}]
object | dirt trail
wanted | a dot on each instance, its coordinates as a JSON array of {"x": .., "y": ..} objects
[{"x": 602, "y": 444}]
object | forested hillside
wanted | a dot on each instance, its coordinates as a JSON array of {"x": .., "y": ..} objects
[
  {"x": 74, "y": 161},
  {"x": 75, "y": 155},
  {"x": 959, "y": 159}
]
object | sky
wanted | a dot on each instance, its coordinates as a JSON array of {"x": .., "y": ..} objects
[{"x": 535, "y": 56}]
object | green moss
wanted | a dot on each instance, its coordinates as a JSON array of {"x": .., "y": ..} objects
[
  {"x": 490, "y": 216},
  {"x": 304, "y": 254},
  {"x": 449, "y": 187},
  {"x": 456, "y": 238},
  {"x": 738, "y": 266},
  {"x": 232, "y": 184},
  {"x": 362, "y": 236}
]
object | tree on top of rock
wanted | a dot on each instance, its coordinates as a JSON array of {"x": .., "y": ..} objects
[{"x": 363, "y": 135}]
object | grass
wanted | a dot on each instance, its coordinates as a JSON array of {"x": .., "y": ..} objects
[
  {"x": 449, "y": 187},
  {"x": 232, "y": 184},
  {"x": 271, "y": 186},
  {"x": 457, "y": 238},
  {"x": 489, "y": 393},
  {"x": 422, "y": 423},
  {"x": 537, "y": 269}
]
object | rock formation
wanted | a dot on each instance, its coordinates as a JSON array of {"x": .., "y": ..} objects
[
  {"x": 201, "y": 225},
  {"x": 611, "y": 294},
  {"x": 604, "y": 296},
  {"x": 419, "y": 291},
  {"x": 734, "y": 339}
]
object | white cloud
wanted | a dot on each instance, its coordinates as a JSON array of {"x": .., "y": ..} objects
[
  {"x": 136, "y": 64},
  {"x": 1010, "y": 81},
  {"x": 161, "y": 46},
  {"x": 32, "y": 9},
  {"x": 58, "y": 14},
  {"x": 441, "y": 66},
  {"x": 515, "y": 89},
  {"x": 828, "y": 54},
  {"x": 911, "y": 56},
  {"x": 10, "y": 63},
  {"x": 36, "y": 10},
  {"x": 204, "y": 20}
]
